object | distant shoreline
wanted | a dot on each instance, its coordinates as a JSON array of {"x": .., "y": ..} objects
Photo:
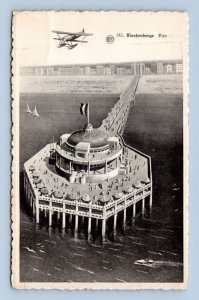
[{"x": 98, "y": 85}]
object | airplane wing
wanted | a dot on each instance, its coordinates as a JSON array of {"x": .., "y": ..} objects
[
  {"x": 85, "y": 34},
  {"x": 79, "y": 41},
  {"x": 72, "y": 33},
  {"x": 62, "y": 32}
]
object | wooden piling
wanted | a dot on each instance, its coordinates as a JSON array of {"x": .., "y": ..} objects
[
  {"x": 143, "y": 205},
  {"x": 63, "y": 220},
  {"x": 103, "y": 230},
  {"x": 37, "y": 215},
  {"x": 150, "y": 201},
  {"x": 124, "y": 218},
  {"x": 76, "y": 223},
  {"x": 89, "y": 228},
  {"x": 134, "y": 210},
  {"x": 50, "y": 218},
  {"x": 115, "y": 225}
]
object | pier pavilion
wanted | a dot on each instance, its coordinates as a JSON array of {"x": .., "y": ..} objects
[{"x": 88, "y": 155}]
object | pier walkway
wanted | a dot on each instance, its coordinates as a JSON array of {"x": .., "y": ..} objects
[{"x": 117, "y": 117}]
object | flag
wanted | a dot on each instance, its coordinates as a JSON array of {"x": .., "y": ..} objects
[{"x": 84, "y": 108}]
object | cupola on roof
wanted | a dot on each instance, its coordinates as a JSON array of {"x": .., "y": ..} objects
[{"x": 96, "y": 137}]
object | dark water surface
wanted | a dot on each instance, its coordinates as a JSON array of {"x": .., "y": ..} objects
[{"x": 155, "y": 127}]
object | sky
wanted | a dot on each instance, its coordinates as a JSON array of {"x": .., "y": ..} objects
[{"x": 34, "y": 43}]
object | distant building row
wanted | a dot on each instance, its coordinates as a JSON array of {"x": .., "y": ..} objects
[
  {"x": 169, "y": 68},
  {"x": 127, "y": 69},
  {"x": 132, "y": 69}
]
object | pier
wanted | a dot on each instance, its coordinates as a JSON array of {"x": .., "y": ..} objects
[{"x": 92, "y": 184}]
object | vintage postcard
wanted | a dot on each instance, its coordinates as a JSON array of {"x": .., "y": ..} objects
[{"x": 100, "y": 150}]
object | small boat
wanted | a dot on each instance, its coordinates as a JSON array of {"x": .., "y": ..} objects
[
  {"x": 145, "y": 262},
  {"x": 35, "y": 113},
  {"x": 28, "y": 110}
]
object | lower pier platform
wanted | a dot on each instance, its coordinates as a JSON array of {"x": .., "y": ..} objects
[{"x": 72, "y": 205}]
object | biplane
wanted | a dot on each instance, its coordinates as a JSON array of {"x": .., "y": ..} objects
[{"x": 70, "y": 39}]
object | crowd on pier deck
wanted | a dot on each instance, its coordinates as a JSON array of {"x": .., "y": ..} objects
[{"x": 47, "y": 182}]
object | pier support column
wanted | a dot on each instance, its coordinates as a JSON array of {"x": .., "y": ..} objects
[
  {"x": 45, "y": 213},
  {"x": 58, "y": 215},
  {"x": 50, "y": 213},
  {"x": 76, "y": 224},
  {"x": 89, "y": 229},
  {"x": 103, "y": 230},
  {"x": 50, "y": 218},
  {"x": 151, "y": 200},
  {"x": 143, "y": 205},
  {"x": 124, "y": 219},
  {"x": 63, "y": 220},
  {"x": 37, "y": 215},
  {"x": 115, "y": 225},
  {"x": 134, "y": 210}
]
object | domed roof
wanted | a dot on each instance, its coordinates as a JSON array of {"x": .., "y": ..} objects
[{"x": 96, "y": 137}]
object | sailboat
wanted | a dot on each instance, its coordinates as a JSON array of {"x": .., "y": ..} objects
[
  {"x": 35, "y": 113},
  {"x": 28, "y": 110}
]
